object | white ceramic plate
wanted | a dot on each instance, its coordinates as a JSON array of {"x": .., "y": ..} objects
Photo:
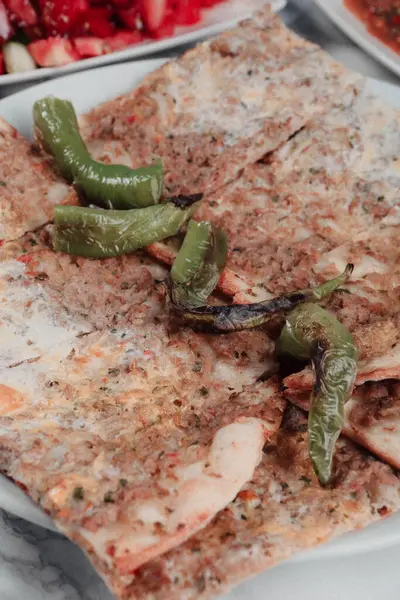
[
  {"x": 355, "y": 30},
  {"x": 86, "y": 90},
  {"x": 216, "y": 19}
]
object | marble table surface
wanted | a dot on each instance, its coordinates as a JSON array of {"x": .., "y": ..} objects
[{"x": 36, "y": 564}]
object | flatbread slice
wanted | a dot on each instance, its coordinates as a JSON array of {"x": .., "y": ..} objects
[
  {"x": 220, "y": 106},
  {"x": 333, "y": 180},
  {"x": 280, "y": 512},
  {"x": 320, "y": 189},
  {"x": 29, "y": 189},
  {"x": 131, "y": 436}
]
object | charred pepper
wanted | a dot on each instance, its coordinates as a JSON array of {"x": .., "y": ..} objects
[{"x": 237, "y": 317}]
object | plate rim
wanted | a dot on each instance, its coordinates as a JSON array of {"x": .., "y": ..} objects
[{"x": 71, "y": 81}]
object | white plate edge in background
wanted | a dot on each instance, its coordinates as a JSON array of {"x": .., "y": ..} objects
[
  {"x": 185, "y": 35},
  {"x": 87, "y": 89},
  {"x": 356, "y": 31}
]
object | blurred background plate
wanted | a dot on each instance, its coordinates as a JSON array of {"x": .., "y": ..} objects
[
  {"x": 356, "y": 31},
  {"x": 219, "y": 18}
]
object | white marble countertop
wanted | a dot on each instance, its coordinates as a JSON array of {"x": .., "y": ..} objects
[{"x": 36, "y": 564}]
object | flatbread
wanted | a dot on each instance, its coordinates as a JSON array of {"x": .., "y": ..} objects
[
  {"x": 126, "y": 477},
  {"x": 280, "y": 512},
  {"x": 220, "y": 106},
  {"x": 319, "y": 190},
  {"x": 29, "y": 189},
  {"x": 333, "y": 180}
]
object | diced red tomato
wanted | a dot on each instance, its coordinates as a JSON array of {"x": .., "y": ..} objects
[
  {"x": 6, "y": 30},
  {"x": 166, "y": 29},
  {"x": 153, "y": 12},
  {"x": 22, "y": 12},
  {"x": 209, "y": 3},
  {"x": 34, "y": 32},
  {"x": 130, "y": 17},
  {"x": 187, "y": 12},
  {"x": 59, "y": 15},
  {"x": 95, "y": 21},
  {"x": 53, "y": 52},
  {"x": 125, "y": 3},
  {"x": 122, "y": 40},
  {"x": 89, "y": 46}
]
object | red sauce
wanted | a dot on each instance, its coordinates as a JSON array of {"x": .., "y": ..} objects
[{"x": 381, "y": 17}]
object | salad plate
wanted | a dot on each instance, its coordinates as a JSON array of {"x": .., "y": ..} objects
[{"x": 214, "y": 20}]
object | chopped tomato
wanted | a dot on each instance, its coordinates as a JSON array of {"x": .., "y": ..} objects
[
  {"x": 34, "y": 32},
  {"x": 59, "y": 15},
  {"x": 22, "y": 12},
  {"x": 130, "y": 17},
  {"x": 53, "y": 52},
  {"x": 125, "y": 4},
  {"x": 166, "y": 29},
  {"x": 89, "y": 46},
  {"x": 187, "y": 12},
  {"x": 122, "y": 40},
  {"x": 153, "y": 12},
  {"x": 94, "y": 21}
]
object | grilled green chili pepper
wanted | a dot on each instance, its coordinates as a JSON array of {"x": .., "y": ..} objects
[
  {"x": 310, "y": 332},
  {"x": 98, "y": 233},
  {"x": 108, "y": 186},
  {"x": 198, "y": 264},
  {"x": 236, "y": 317}
]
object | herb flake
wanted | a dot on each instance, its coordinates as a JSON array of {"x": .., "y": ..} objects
[{"x": 78, "y": 493}]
